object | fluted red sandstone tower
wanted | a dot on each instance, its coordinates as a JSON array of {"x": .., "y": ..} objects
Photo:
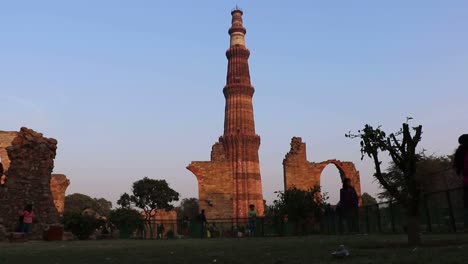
[{"x": 231, "y": 181}]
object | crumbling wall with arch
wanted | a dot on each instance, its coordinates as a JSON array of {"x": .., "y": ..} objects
[{"x": 301, "y": 174}]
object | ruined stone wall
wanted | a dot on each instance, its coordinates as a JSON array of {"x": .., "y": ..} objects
[
  {"x": 6, "y": 137},
  {"x": 297, "y": 170},
  {"x": 301, "y": 174},
  {"x": 215, "y": 184},
  {"x": 58, "y": 185},
  {"x": 29, "y": 163}
]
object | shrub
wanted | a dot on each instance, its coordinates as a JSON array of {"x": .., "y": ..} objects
[
  {"x": 170, "y": 234},
  {"x": 81, "y": 225},
  {"x": 126, "y": 220},
  {"x": 300, "y": 204}
]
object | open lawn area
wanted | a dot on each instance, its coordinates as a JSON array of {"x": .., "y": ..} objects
[{"x": 313, "y": 249}]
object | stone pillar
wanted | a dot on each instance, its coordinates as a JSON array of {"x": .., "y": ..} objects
[
  {"x": 6, "y": 137},
  {"x": 58, "y": 185}
]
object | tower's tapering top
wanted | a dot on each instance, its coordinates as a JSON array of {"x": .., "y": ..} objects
[
  {"x": 237, "y": 30},
  {"x": 236, "y": 9}
]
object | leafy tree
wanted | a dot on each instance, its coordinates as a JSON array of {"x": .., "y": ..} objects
[
  {"x": 367, "y": 199},
  {"x": 126, "y": 220},
  {"x": 188, "y": 207},
  {"x": 125, "y": 201},
  {"x": 103, "y": 206},
  {"x": 434, "y": 172},
  {"x": 432, "y": 164},
  {"x": 151, "y": 195},
  {"x": 300, "y": 205},
  {"x": 402, "y": 184},
  {"x": 77, "y": 203},
  {"x": 270, "y": 211}
]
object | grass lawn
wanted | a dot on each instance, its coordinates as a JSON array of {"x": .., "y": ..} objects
[{"x": 313, "y": 249}]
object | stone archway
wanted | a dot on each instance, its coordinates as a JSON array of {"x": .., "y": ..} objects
[
  {"x": 302, "y": 174},
  {"x": 346, "y": 169}
]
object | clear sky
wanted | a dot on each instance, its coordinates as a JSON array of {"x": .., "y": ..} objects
[{"x": 134, "y": 88}]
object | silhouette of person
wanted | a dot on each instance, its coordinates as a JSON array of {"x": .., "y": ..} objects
[
  {"x": 2, "y": 177},
  {"x": 202, "y": 219},
  {"x": 185, "y": 225},
  {"x": 460, "y": 163},
  {"x": 252, "y": 219},
  {"x": 160, "y": 231},
  {"x": 348, "y": 206}
]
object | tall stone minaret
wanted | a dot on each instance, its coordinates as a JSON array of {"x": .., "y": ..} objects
[
  {"x": 231, "y": 181},
  {"x": 239, "y": 139}
]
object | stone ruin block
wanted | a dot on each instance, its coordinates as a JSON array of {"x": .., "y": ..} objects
[
  {"x": 58, "y": 185},
  {"x": 301, "y": 174},
  {"x": 28, "y": 160}
]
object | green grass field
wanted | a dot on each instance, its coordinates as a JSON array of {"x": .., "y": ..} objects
[{"x": 313, "y": 249}]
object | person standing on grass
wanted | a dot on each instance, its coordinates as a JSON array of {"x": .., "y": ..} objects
[
  {"x": 202, "y": 219},
  {"x": 460, "y": 162},
  {"x": 185, "y": 225},
  {"x": 252, "y": 219},
  {"x": 1, "y": 173},
  {"x": 348, "y": 206},
  {"x": 28, "y": 216},
  {"x": 160, "y": 231},
  {"x": 2, "y": 178}
]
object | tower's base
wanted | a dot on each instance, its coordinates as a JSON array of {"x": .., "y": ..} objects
[{"x": 217, "y": 188}]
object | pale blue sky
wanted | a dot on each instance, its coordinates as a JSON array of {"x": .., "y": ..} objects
[{"x": 134, "y": 88}]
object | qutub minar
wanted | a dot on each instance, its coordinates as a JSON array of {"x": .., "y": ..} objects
[{"x": 231, "y": 181}]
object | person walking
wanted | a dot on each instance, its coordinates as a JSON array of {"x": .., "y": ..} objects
[
  {"x": 252, "y": 220},
  {"x": 348, "y": 207},
  {"x": 460, "y": 163},
  {"x": 27, "y": 216}
]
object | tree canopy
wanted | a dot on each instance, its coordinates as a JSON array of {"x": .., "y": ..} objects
[
  {"x": 77, "y": 203},
  {"x": 150, "y": 195},
  {"x": 125, "y": 201},
  {"x": 299, "y": 204},
  {"x": 434, "y": 172},
  {"x": 367, "y": 199},
  {"x": 126, "y": 220},
  {"x": 188, "y": 208}
]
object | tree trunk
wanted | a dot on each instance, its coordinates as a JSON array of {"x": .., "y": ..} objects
[
  {"x": 150, "y": 229},
  {"x": 414, "y": 237}
]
